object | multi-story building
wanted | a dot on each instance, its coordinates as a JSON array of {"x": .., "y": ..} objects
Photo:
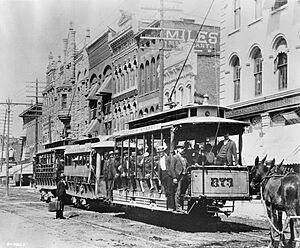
[
  {"x": 57, "y": 96},
  {"x": 260, "y": 57},
  {"x": 199, "y": 76},
  {"x": 32, "y": 132},
  {"x": 100, "y": 80},
  {"x": 125, "y": 72},
  {"x": 79, "y": 107}
]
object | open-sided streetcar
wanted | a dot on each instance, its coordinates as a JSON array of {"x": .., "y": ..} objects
[{"x": 207, "y": 187}]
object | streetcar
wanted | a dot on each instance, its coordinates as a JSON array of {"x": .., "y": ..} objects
[
  {"x": 209, "y": 188},
  {"x": 49, "y": 164},
  {"x": 84, "y": 172}
]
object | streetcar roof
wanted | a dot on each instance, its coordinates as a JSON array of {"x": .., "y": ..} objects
[
  {"x": 166, "y": 112},
  {"x": 103, "y": 144},
  {"x": 197, "y": 120},
  {"x": 50, "y": 150}
]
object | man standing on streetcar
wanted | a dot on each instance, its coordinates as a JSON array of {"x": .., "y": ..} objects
[
  {"x": 165, "y": 175},
  {"x": 226, "y": 151},
  {"x": 179, "y": 165}
]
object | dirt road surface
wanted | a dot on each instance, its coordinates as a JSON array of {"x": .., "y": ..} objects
[{"x": 25, "y": 222}]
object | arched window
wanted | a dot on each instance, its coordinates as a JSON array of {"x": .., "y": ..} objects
[
  {"x": 257, "y": 72},
  {"x": 152, "y": 110},
  {"x": 142, "y": 77},
  {"x": 157, "y": 72},
  {"x": 167, "y": 94},
  {"x": 147, "y": 76},
  {"x": 282, "y": 70},
  {"x": 153, "y": 74},
  {"x": 180, "y": 95},
  {"x": 281, "y": 62},
  {"x": 189, "y": 93},
  {"x": 279, "y": 3},
  {"x": 236, "y": 77}
]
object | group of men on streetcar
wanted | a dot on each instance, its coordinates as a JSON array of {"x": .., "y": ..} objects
[{"x": 168, "y": 173}]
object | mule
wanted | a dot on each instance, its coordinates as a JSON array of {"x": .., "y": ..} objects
[{"x": 281, "y": 192}]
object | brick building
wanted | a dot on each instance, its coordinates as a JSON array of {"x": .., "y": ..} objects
[
  {"x": 79, "y": 108},
  {"x": 101, "y": 88},
  {"x": 200, "y": 74},
  {"x": 260, "y": 58},
  {"x": 57, "y": 96},
  {"x": 124, "y": 60}
]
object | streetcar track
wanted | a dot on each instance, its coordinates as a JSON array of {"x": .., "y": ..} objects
[
  {"x": 115, "y": 230},
  {"x": 258, "y": 238}
]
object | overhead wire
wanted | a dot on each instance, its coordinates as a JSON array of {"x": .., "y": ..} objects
[{"x": 189, "y": 52}]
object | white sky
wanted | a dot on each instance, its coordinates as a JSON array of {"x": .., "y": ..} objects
[{"x": 30, "y": 29}]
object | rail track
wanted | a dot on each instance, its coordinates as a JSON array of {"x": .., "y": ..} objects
[{"x": 85, "y": 219}]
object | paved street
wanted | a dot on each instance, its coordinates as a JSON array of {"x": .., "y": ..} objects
[{"x": 25, "y": 222}]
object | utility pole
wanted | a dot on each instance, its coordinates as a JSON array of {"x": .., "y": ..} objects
[
  {"x": 9, "y": 104},
  {"x": 37, "y": 87},
  {"x": 7, "y": 147},
  {"x": 3, "y": 140}
]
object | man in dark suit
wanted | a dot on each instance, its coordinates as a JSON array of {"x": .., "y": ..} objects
[
  {"x": 61, "y": 195},
  {"x": 109, "y": 174},
  {"x": 165, "y": 175},
  {"x": 179, "y": 165},
  {"x": 226, "y": 151}
]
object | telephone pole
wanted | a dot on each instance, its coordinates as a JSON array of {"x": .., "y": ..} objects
[
  {"x": 9, "y": 104},
  {"x": 3, "y": 140}
]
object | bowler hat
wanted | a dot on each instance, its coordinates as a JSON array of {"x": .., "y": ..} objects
[
  {"x": 111, "y": 152},
  {"x": 179, "y": 146}
]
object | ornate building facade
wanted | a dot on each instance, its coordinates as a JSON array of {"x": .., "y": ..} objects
[
  {"x": 125, "y": 73},
  {"x": 101, "y": 85},
  {"x": 260, "y": 57}
]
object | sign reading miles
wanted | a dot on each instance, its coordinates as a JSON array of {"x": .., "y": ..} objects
[{"x": 208, "y": 41}]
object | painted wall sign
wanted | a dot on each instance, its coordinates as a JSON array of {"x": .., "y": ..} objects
[{"x": 208, "y": 41}]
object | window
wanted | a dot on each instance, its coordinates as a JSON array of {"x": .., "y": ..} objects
[
  {"x": 167, "y": 97},
  {"x": 282, "y": 70},
  {"x": 142, "y": 78},
  {"x": 236, "y": 78},
  {"x": 258, "y": 8},
  {"x": 237, "y": 14},
  {"x": 279, "y": 3},
  {"x": 181, "y": 99},
  {"x": 189, "y": 93},
  {"x": 64, "y": 101},
  {"x": 257, "y": 57}
]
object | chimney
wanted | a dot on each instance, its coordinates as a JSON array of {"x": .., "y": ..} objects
[{"x": 50, "y": 58}]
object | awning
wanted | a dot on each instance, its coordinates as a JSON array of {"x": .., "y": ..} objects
[
  {"x": 93, "y": 128},
  {"x": 106, "y": 87},
  {"x": 92, "y": 92},
  {"x": 26, "y": 169}
]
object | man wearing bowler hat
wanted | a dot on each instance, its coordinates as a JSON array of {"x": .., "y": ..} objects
[
  {"x": 179, "y": 165},
  {"x": 166, "y": 176}
]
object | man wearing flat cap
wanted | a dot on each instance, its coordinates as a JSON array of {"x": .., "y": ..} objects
[
  {"x": 179, "y": 165},
  {"x": 165, "y": 175}
]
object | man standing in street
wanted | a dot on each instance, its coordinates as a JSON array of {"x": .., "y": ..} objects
[
  {"x": 226, "y": 151},
  {"x": 179, "y": 165},
  {"x": 62, "y": 196},
  {"x": 165, "y": 175}
]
